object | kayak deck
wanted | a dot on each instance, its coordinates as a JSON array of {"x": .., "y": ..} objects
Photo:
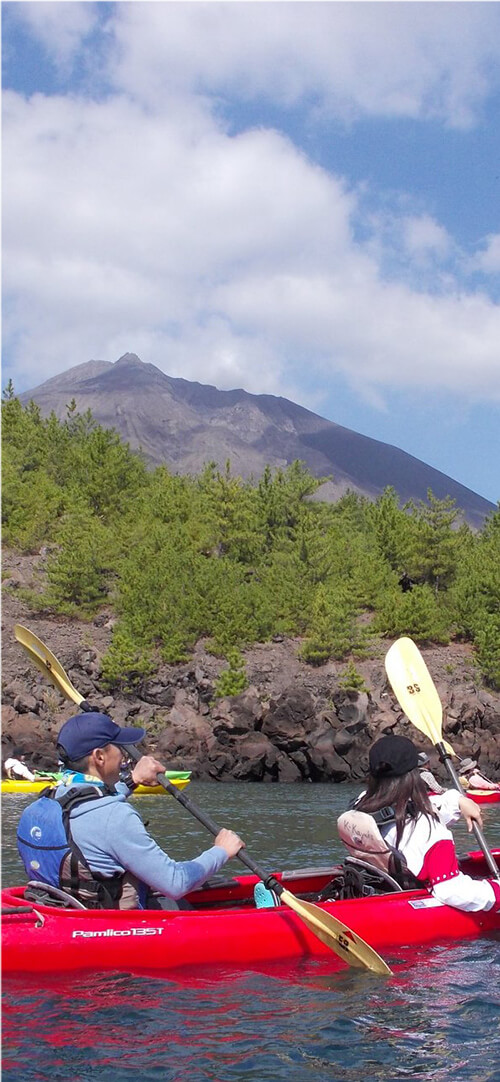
[{"x": 224, "y": 928}]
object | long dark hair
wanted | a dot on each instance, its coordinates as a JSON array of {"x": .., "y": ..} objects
[{"x": 406, "y": 794}]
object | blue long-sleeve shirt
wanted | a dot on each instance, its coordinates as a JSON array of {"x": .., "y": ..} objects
[{"x": 113, "y": 838}]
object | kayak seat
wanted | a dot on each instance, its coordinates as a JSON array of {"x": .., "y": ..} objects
[
  {"x": 361, "y": 834},
  {"x": 381, "y": 875},
  {"x": 45, "y": 894},
  {"x": 358, "y": 879}
]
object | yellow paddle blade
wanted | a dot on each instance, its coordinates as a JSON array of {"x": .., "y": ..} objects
[
  {"x": 415, "y": 690},
  {"x": 335, "y": 935},
  {"x": 47, "y": 662}
]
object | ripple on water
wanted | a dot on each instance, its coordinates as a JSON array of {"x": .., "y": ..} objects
[{"x": 436, "y": 1020}]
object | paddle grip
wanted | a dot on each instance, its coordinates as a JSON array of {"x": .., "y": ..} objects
[
  {"x": 131, "y": 751},
  {"x": 447, "y": 762}
]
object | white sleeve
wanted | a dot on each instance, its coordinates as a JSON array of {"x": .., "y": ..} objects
[
  {"x": 462, "y": 892},
  {"x": 447, "y": 806}
]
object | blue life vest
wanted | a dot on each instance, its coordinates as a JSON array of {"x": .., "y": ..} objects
[{"x": 50, "y": 855}]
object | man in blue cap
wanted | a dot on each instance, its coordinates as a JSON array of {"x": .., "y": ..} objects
[{"x": 112, "y": 857}]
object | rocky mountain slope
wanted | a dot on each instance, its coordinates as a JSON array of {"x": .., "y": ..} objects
[
  {"x": 294, "y": 722},
  {"x": 186, "y": 425}
]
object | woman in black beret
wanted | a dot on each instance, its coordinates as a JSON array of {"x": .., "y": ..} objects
[{"x": 396, "y": 814}]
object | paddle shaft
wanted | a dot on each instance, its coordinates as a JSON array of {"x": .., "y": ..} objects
[
  {"x": 131, "y": 752},
  {"x": 447, "y": 763},
  {"x": 202, "y": 818},
  {"x": 319, "y": 923}
]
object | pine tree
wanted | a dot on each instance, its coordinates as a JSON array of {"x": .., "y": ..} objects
[
  {"x": 125, "y": 665},
  {"x": 79, "y": 572},
  {"x": 233, "y": 680},
  {"x": 417, "y": 613},
  {"x": 436, "y": 543},
  {"x": 392, "y": 529}
]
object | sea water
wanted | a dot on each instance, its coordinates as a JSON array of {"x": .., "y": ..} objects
[{"x": 437, "y": 1018}]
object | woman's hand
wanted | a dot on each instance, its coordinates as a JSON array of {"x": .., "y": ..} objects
[{"x": 470, "y": 811}]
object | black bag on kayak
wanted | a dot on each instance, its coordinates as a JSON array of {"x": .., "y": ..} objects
[{"x": 51, "y": 856}]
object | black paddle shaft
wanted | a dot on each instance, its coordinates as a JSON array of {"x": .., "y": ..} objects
[
  {"x": 447, "y": 761},
  {"x": 131, "y": 751}
]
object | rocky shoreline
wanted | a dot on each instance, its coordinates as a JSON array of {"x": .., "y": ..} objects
[{"x": 292, "y": 724}]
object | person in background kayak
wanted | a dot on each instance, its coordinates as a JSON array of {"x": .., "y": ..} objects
[
  {"x": 471, "y": 777},
  {"x": 415, "y": 824},
  {"x": 427, "y": 776},
  {"x": 15, "y": 766},
  {"x": 109, "y": 832}
]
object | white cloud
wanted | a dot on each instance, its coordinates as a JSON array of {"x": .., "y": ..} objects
[
  {"x": 374, "y": 332},
  {"x": 423, "y": 236},
  {"x": 380, "y": 59},
  {"x": 226, "y": 259},
  {"x": 60, "y": 27},
  {"x": 488, "y": 260},
  {"x": 138, "y": 223},
  {"x": 419, "y": 60}
]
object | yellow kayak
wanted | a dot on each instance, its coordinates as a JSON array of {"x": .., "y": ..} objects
[{"x": 13, "y": 785}]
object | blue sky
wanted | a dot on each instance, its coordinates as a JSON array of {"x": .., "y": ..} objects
[{"x": 298, "y": 198}]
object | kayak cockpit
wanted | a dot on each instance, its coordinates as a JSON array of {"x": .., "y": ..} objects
[{"x": 352, "y": 879}]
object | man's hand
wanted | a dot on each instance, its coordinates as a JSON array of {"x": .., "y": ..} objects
[
  {"x": 145, "y": 771},
  {"x": 229, "y": 841},
  {"x": 470, "y": 811}
]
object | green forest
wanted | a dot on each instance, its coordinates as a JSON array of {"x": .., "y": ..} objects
[{"x": 180, "y": 558}]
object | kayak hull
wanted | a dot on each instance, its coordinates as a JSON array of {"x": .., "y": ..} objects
[
  {"x": 16, "y": 786},
  {"x": 227, "y": 929},
  {"x": 158, "y": 790},
  {"x": 484, "y": 796}
]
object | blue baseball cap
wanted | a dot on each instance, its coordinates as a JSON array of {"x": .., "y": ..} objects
[{"x": 81, "y": 734}]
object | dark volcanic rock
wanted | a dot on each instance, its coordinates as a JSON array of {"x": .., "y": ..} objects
[{"x": 292, "y": 724}]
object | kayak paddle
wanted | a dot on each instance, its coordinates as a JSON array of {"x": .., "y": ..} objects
[
  {"x": 332, "y": 932},
  {"x": 416, "y": 693}
]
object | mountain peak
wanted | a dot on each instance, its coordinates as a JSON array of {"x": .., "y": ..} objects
[
  {"x": 128, "y": 358},
  {"x": 184, "y": 425}
]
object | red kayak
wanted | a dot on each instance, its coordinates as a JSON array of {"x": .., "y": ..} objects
[
  {"x": 484, "y": 796},
  {"x": 481, "y": 796},
  {"x": 224, "y": 927}
]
